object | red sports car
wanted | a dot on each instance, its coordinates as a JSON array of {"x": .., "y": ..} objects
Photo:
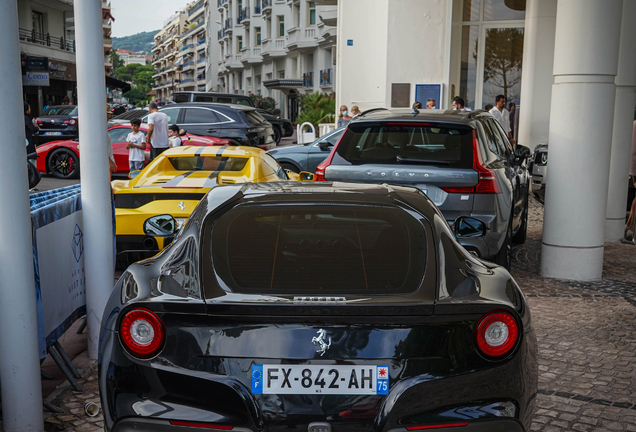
[{"x": 61, "y": 158}]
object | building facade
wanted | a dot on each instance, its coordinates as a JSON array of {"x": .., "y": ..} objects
[
  {"x": 107, "y": 27},
  {"x": 275, "y": 48},
  {"x": 131, "y": 57},
  {"x": 47, "y": 48}
]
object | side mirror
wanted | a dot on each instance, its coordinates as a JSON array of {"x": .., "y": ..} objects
[
  {"x": 324, "y": 145},
  {"x": 522, "y": 153},
  {"x": 467, "y": 227},
  {"x": 305, "y": 176},
  {"x": 133, "y": 174},
  {"x": 160, "y": 226}
]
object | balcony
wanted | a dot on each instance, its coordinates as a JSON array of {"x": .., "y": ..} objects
[
  {"x": 308, "y": 80},
  {"x": 187, "y": 80},
  {"x": 274, "y": 48},
  {"x": 198, "y": 26},
  {"x": 221, "y": 34},
  {"x": 47, "y": 40},
  {"x": 325, "y": 78},
  {"x": 195, "y": 9},
  {"x": 252, "y": 55},
  {"x": 266, "y": 7},
  {"x": 227, "y": 25},
  {"x": 235, "y": 62},
  {"x": 188, "y": 66},
  {"x": 302, "y": 39},
  {"x": 244, "y": 16},
  {"x": 187, "y": 47},
  {"x": 257, "y": 9},
  {"x": 221, "y": 3}
]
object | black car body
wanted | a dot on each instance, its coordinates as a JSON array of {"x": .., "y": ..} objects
[
  {"x": 240, "y": 124},
  {"x": 127, "y": 116},
  {"x": 194, "y": 96},
  {"x": 350, "y": 307},
  {"x": 276, "y": 122},
  {"x": 58, "y": 122},
  {"x": 306, "y": 157},
  {"x": 463, "y": 161}
]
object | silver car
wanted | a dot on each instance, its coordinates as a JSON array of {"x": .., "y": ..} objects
[{"x": 463, "y": 162}]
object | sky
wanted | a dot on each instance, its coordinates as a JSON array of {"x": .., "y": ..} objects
[{"x": 135, "y": 16}]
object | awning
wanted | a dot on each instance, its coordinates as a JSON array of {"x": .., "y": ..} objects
[
  {"x": 107, "y": 14},
  {"x": 115, "y": 83},
  {"x": 283, "y": 84},
  {"x": 179, "y": 60},
  {"x": 152, "y": 93},
  {"x": 201, "y": 69}
]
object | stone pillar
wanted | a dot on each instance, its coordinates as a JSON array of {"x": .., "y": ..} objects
[
  {"x": 585, "y": 66},
  {"x": 537, "y": 78},
  {"x": 623, "y": 125}
]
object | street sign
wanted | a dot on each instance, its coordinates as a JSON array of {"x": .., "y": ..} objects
[
  {"x": 349, "y": 42},
  {"x": 38, "y": 79}
]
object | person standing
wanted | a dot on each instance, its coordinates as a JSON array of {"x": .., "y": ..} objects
[
  {"x": 502, "y": 115},
  {"x": 30, "y": 129},
  {"x": 66, "y": 100},
  {"x": 355, "y": 111},
  {"x": 157, "y": 135},
  {"x": 459, "y": 104},
  {"x": 512, "y": 108},
  {"x": 343, "y": 118},
  {"x": 174, "y": 138},
  {"x": 629, "y": 226},
  {"x": 136, "y": 145},
  {"x": 430, "y": 103}
]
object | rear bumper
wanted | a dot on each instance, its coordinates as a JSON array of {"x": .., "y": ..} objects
[{"x": 40, "y": 138}]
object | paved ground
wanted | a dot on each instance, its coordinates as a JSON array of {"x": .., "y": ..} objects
[{"x": 587, "y": 347}]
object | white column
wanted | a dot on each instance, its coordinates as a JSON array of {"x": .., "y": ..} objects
[
  {"x": 19, "y": 353},
  {"x": 537, "y": 78},
  {"x": 95, "y": 176},
  {"x": 623, "y": 125},
  {"x": 585, "y": 65}
]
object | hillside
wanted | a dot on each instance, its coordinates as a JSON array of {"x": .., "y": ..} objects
[{"x": 137, "y": 42}]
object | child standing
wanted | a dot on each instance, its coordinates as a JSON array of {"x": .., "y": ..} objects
[
  {"x": 136, "y": 144},
  {"x": 174, "y": 140}
]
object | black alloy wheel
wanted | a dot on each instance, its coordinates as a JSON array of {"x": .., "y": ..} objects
[
  {"x": 504, "y": 256},
  {"x": 290, "y": 167},
  {"x": 64, "y": 164},
  {"x": 520, "y": 236},
  {"x": 277, "y": 135}
]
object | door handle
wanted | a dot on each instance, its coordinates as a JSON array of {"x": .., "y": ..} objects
[{"x": 211, "y": 130}]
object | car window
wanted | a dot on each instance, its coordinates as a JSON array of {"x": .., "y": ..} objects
[
  {"x": 199, "y": 115},
  {"x": 245, "y": 102},
  {"x": 318, "y": 249},
  {"x": 61, "y": 110},
  {"x": 499, "y": 138},
  {"x": 332, "y": 138},
  {"x": 208, "y": 163},
  {"x": 224, "y": 100},
  {"x": 504, "y": 137},
  {"x": 275, "y": 166},
  {"x": 180, "y": 98},
  {"x": 491, "y": 141},
  {"x": 204, "y": 98},
  {"x": 119, "y": 134},
  {"x": 172, "y": 113},
  {"x": 397, "y": 143}
]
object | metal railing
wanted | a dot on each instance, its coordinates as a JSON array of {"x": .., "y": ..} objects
[
  {"x": 220, "y": 3},
  {"x": 266, "y": 4},
  {"x": 228, "y": 24},
  {"x": 243, "y": 15},
  {"x": 192, "y": 11},
  {"x": 187, "y": 80},
  {"x": 325, "y": 77},
  {"x": 308, "y": 79},
  {"x": 257, "y": 9},
  {"x": 46, "y": 39},
  {"x": 187, "y": 47},
  {"x": 193, "y": 28}
]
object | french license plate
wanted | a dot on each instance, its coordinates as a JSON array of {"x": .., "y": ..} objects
[
  {"x": 53, "y": 133},
  {"x": 320, "y": 379}
]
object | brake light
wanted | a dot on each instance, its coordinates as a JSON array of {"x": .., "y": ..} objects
[
  {"x": 39, "y": 122},
  {"x": 320, "y": 172},
  {"x": 437, "y": 426},
  {"x": 200, "y": 425},
  {"x": 71, "y": 122},
  {"x": 142, "y": 333},
  {"x": 487, "y": 183},
  {"x": 320, "y": 169},
  {"x": 496, "y": 334}
]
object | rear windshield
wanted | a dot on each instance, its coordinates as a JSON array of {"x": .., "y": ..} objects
[
  {"x": 254, "y": 117},
  {"x": 62, "y": 110},
  {"x": 208, "y": 163},
  {"x": 180, "y": 98},
  {"x": 319, "y": 249},
  {"x": 404, "y": 143}
]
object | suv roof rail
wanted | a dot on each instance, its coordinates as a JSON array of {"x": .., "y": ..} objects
[{"x": 371, "y": 110}]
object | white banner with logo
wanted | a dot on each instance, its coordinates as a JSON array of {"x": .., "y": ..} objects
[{"x": 39, "y": 78}]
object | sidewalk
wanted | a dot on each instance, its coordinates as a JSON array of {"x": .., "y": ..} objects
[{"x": 587, "y": 346}]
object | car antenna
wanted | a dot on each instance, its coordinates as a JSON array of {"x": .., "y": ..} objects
[{"x": 371, "y": 110}]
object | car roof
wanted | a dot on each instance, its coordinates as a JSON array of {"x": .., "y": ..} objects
[
  {"x": 209, "y": 105},
  {"x": 212, "y": 93},
  {"x": 406, "y": 114},
  {"x": 227, "y": 151}
]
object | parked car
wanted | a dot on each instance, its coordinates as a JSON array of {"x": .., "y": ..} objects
[
  {"x": 316, "y": 307},
  {"x": 462, "y": 160},
  {"x": 126, "y": 117},
  {"x": 275, "y": 121},
  {"x": 195, "y": 96},
  {"x": 57, "y": 122},
  {"x": 288, "y": 128},
  {"x": 306, "y": 157},
  {"x": 61, "y": 158},
  {"x": 239, "y": 124},
  {"x": 174, "y": 183}
]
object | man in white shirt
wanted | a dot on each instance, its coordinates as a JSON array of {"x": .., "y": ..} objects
[
  {"x": 502, "y": 115},
  {"x": 157, "y": 131}
]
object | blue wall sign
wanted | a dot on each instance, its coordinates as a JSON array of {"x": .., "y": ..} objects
[{"x": 349, "y": 42}]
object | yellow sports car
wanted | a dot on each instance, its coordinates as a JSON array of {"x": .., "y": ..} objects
[{"x": 174, "y": 183}]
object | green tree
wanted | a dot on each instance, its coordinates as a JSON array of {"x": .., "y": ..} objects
[
  {"x": 317, "y": 108},
  {"x": 266, "y": 103},
  {"x": 138, "y": 94},
  {"x": 116, "y": 61}
]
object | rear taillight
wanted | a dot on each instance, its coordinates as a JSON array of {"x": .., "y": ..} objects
[
  {"x": 142, "y": 333},
  {"x": 71, "y": 122},
  {"x": 437, "y": 426},
  {"x": 320, "y": 169},
  {"x": 487, "y": 184},
  {"x": 496, "y": 334},
  {"x": 39, "y": 122}
]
